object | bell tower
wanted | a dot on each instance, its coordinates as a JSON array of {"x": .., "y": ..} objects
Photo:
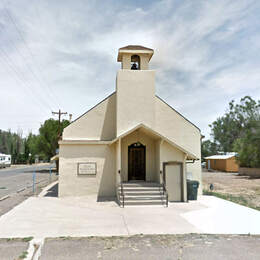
[
  {"x": 134, "y": 55},
  {"x": 135, "y": 88}
]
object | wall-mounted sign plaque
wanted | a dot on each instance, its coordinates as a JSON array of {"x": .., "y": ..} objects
[{"x": 88, "y": 168}]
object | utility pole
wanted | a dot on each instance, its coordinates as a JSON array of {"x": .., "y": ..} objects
[
  {"x": 70, "y": 116},
  {"x": 60, "y": 114}
]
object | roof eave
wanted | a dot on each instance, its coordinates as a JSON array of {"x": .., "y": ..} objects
[{"x": 120, "y": 52}]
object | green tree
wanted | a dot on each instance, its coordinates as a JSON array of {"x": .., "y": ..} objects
[
  {"x": 208, "y": 148},
  {"x": 248, "y": 146},
  {"x": 47, "y": 141},
  {"x": 228, "y": 128}
]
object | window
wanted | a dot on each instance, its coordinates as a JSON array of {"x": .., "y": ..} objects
[{"x": 135, "y": 62}]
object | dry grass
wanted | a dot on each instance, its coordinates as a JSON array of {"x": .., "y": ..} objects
[{"x": 240, "y": 189}]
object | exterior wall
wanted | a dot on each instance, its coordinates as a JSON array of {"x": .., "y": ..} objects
[
  {"x": 226, "y": 165},
  {"x": 101, "y": 185},
  {"x": 168, "y": 153},
  {"x": 144, "y": 60},
  {"x": 135, "y": 99},
  {"x": 232, "y": 165},
  {"x": 176, "y": 128},
  {"x": 158, "y": 167},
  {"x": 98, "y": 123},
  {"x": 216, "y": 164},
  {"x": 126, "y": 61},
  {"x": 195, "y": 170},
  {"x": 150, "y": 154}
]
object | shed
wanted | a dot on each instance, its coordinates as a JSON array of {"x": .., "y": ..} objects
[{"x": 225, "y": 162}]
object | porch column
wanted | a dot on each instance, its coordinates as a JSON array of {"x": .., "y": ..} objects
[
  {"x": 184, "y": 178},
  {"x": 159, "y": 168},
  {"x": 118, "y": 162}
]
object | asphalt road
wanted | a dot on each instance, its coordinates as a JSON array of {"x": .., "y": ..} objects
[{"x": 13, "y": 179}]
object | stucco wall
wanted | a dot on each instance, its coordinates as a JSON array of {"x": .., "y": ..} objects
[
  {"x": 168, "y": 153},
  {"x": 99, "y": 123},
  {"x": 173, "y": 126},
  {"x": 135, "y": 99},
  {"x": 158, "y": 161},
  {"x": 150, "y": 154},
  {"x": 102, "y": 185},
  {"x": 195, "y": 169}
]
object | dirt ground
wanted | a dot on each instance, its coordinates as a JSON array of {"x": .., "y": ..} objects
[
  {"x": 243, "y": 187},
  {"x": 179, "y": 247}
]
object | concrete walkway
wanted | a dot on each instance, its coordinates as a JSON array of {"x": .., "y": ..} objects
[{"x": 54, "y": 217}]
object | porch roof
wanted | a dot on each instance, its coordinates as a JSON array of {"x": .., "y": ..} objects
[
  {"x": 83, "y": 141},
  {"x": 190, "y": 155}
]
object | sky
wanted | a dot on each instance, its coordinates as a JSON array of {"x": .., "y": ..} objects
[{"x": 63, "y": 55}]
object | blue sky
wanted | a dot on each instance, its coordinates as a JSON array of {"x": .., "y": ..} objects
[{"x": 62, "y": 54}]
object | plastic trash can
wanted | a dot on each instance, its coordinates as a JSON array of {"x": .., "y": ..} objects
[{"x": 192, "y": 189}]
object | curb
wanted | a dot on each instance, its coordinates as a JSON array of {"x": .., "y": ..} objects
[
  {"x": 44, "y": 191},
  {"x": 22, "y": 189},
  {"x": 5, "y": 197}
]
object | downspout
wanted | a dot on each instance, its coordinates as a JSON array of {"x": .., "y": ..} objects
[{"x": 192, "y": 161}]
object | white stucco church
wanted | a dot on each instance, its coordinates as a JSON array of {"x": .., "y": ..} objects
[{"x": 132, "y": 145}]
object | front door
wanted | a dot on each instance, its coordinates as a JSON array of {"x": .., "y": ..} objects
[{"x": 136, "y": 162}]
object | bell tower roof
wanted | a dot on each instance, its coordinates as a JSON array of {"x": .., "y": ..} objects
[{"x": 134, "y": 49}]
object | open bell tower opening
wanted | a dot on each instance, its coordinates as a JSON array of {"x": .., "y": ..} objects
[{"x": 135, "y": 57}]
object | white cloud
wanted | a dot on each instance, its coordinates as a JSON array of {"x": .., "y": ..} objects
[{"x": 206, "y": 53}]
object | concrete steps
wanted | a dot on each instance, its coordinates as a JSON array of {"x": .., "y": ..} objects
[{"x": 141, "y": 194}]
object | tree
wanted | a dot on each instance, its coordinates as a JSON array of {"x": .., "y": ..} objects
[
  {"x": 228, "y": 128},
  {"x": 208, "y": 148},
  {"x": 248, "y": 146},
  {"x": 47, "y": 141}
]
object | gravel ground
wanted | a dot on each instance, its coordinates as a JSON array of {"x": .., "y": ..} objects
[
  {"x": 12, "y": 249},
  {"x": 232, "y": 183},
  {"x": 185, "y": 247}
]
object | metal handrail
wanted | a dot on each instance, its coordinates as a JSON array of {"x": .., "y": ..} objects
[
  {"x": 165, "y": 192},
  {"x": 122, "y": 191}
]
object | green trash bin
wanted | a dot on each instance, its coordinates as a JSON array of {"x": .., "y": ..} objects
[{"x": 192, "y": 189}]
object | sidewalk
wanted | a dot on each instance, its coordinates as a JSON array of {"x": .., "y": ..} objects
[{"x": 42, "y": 217}]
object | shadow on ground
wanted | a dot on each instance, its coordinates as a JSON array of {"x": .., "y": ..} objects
[{"x": 53, "y": 191}]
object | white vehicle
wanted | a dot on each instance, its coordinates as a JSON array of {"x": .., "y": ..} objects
[
  {"x": 2, "y": 161},
  {"x": 5, "y": 160}
]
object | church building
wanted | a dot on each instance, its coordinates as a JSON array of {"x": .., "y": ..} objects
[{"x": 132, "y": 146}]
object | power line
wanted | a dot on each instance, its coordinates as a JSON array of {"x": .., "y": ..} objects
[
  {"x": 49, "y": 92},
  {"x": 21, "y": 77}
]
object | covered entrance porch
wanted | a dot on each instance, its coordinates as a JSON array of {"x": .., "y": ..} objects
[{"x": 149, "y": 168}]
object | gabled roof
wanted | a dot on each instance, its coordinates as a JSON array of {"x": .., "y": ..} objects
[
  {"x": 221, "y": 156},
  {"x": 134, "y": 49},
  {"x": 189, "y": 154}
]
